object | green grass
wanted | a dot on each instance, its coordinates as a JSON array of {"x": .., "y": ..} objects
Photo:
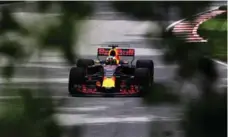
[{"x": 215, "y": 30}]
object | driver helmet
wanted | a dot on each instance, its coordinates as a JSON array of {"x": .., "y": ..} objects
[{"x": 111, "y": 60}]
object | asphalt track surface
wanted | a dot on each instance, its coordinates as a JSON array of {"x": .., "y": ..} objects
[{"x": 106, "y": 117}]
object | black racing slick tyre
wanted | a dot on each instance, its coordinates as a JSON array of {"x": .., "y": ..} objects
[
  {"x": 146, "y": 64},
  {"x": 142, "y": 78},
  {"x": 76, "y": 76},
  {"x": 85, "y": 62}
]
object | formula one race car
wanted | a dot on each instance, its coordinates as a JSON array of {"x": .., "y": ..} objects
[{"x": 111, "y": 76}]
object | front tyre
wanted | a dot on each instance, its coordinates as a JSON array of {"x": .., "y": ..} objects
[
  {"x": 85, "y": 63},
  {"x": 142, "y": 78},
  {"x": 147, "y": 64},
  {"x": 76, "y": 77}
]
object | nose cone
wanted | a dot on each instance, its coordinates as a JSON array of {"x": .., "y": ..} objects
[{"x": 108, "y": 82}]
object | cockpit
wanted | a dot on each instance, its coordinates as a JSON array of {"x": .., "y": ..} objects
[{"x": 111, "y": 60}]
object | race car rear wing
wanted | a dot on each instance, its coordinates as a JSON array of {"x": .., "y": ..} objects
[
  {"x": 125, "y": 52},
  {"x": 121, "y": 52}
]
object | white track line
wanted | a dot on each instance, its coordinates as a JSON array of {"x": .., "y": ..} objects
[
  {"x": 81, "y": 109},
  {"x": 36, "y": 80},
  {"x": 221, "y": 63},
  {"x": 69, "y": 119},
  {"x": 41, "y": 66},
  {"x": 173, "y": 24},
  {"x": 53, "y": 97}
]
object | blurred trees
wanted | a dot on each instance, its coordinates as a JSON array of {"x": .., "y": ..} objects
[
  {"x": 61, "y": 36},
  {"x": 65, "y": 34},
  {"x": 206, "y": 117},
  {"x": 8, "y": 2},
  {"x": 215, "y": 31},
  {"x": 28, "y": 116},
  {"x": 159, "y": 10}
]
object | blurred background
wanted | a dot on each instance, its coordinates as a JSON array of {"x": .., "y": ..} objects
[{"x": 41, "y": 40}]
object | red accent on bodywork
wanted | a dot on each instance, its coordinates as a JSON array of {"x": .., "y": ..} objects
[
  {"x": 123, "y": 91},
  {"x": 91, "y": 90},
  {"x": 89, "y": 78},
  {"x": 131, "y": 90},
  {"x": 84, "y": 90}
]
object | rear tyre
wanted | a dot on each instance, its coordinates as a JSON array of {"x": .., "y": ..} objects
[
  {"x": 85, "y": 63},
  {"x": 142, "y": 78},
  {"x": 76, "y": 77},
  {"x": 147, "y": 64}
]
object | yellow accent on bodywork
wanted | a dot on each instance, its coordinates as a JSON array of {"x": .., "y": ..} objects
[{"x": 108, "y": 83}]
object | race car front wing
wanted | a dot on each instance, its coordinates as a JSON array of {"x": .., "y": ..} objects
[{"x": 92, "y": 90}]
